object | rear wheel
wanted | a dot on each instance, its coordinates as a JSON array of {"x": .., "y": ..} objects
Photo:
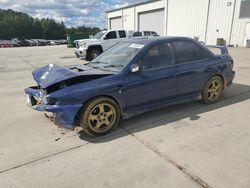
[
  {"x": 212, "y": 90},
  {"x": 100, "y": 116}
]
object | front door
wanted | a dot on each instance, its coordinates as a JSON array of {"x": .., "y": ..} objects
[{"x": 155, "y": 83}]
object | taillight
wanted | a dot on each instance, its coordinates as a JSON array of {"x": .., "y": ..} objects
[{"x": 231, "y": 64}]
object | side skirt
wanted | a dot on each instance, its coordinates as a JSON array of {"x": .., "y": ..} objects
[{"x": 172, "y": 102}]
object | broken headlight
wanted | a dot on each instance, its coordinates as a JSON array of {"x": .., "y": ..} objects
[{"x": 50, "y": 101}]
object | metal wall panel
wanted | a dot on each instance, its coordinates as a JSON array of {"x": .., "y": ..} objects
[
  {"x": 220, "y": 20},
  {"x": 154, "y": 5},
  {"x": 111, "y": 15},
  {"x": 239, "y": 35},
  {"x": 152, "y": 21},
  {"x": 129, "y": 18},
  {"x": 116, "y": 23},
  {"x": 245, "y": 9},
  {"x": 187, "y": 18}
]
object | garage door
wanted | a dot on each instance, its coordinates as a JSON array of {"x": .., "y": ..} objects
[
  {"x": 152, "y": 21},
  {"x": 247, "y": 33},
  {"x": 116, "y": 23},
  {"x": 219, "y": 20}
]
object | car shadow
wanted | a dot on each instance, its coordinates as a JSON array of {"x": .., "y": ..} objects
[{"x": 163, "y": 117}]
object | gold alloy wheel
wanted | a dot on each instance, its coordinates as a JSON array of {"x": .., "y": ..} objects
[
  {"x": 214, "y": 90},
  {"x": 102, "y": 117}
]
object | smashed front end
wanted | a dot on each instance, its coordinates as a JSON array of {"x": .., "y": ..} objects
[
  {"x": 62, "y": 115},
  {"x": 51, "y": 80}
]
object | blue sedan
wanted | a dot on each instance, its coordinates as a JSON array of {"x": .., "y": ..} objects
[{"x": 130, "y": 78}]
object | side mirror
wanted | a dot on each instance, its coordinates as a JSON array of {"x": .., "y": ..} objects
[
  {"x": 105, "y": 38},
  {"x": 134, "y": 68}
]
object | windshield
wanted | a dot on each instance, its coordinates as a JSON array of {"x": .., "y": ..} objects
[
  {"x": 99, "y": 35},
  {"x": 117, "y": 57}
]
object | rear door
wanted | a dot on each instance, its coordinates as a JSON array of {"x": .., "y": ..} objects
[
  {"x": 192, "y": 64},
  {"x": 110, "y": 39},
  {"x": 156, "y": 82},
  {"x": 122, "y": 34}
]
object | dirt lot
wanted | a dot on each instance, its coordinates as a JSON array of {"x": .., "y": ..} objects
[{"x": 189, "y": 145}]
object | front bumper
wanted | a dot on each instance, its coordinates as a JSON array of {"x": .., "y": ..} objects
[
  {"x": 80, "y": 52},
  {"x": 64, "y": 115}
]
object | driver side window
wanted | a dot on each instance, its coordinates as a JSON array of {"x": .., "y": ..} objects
[
  {"x": 111, "y": 35},
  {"x": 157, "y": 57}
]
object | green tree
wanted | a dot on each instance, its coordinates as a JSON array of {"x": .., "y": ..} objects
[
  {"x": 20, "y": 25},
  {"x": 16, "y": 24}
]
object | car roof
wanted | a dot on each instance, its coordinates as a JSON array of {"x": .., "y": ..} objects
[
  {"x": 144, "y": 31},
  {"x": 147, "y": 40}
]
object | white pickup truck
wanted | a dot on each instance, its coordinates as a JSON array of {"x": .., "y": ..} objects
[
  {"x": 91, "y": 48},
  {"x": 145, "y": 34}
]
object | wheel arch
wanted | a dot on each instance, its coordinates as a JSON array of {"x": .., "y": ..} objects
[
  {"x": 204, "y": 90},
  {"x": 96, "y": 46},
  {"x": 84, "y": 105},
  {"x": 222, "y": 78},
  {"x": 219, "y": 75}
]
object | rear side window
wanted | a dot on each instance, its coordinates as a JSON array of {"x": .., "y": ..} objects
[
  {"x": 122, "y": 34},
  {"x": 137, "y": 34},
  {"x": 111, "y": 35},
  {"x": 158, "y": 56},
  {"x": 147, "y": 33},
  {"x": 154, "y": 33},
  {"x": 187, "y": 51}
]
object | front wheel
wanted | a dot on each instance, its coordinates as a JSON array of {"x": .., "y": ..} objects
[
  {"x": 93, "y": 53},
  {"x": 212, "y": 90},
  {"x": 100, "y": 116}
]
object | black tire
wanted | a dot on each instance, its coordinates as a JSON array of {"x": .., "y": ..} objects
[
  {"x": 94, "y": 121},
  {"x": 212, "y": 90},
  {"x": 93, "y": 53},
  {"x": 77, "y": 55}
]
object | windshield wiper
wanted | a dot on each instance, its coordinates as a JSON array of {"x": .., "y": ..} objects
[
  {"x": 96, "y": 64},
  {"x": 103, "y": 65},
  {"x": 99, "y": 62},
  {"x": 112, "y": 65}
]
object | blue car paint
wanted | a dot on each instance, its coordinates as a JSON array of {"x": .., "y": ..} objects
[
  {"x": 45, "y": 78},
  {"x": 65, "y": 114},
  {"x": 135, "y": 93}
]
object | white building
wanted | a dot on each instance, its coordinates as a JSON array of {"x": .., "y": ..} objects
[{"x": 205, "y": 19}]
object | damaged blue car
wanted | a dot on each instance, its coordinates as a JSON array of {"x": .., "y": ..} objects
[{"x": 130, "y": 78}]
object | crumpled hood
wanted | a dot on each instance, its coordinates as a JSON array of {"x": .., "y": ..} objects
[{"x": 52, "y": 74}]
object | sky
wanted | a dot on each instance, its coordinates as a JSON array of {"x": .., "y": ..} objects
[{"x": 71, "y": 12}]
